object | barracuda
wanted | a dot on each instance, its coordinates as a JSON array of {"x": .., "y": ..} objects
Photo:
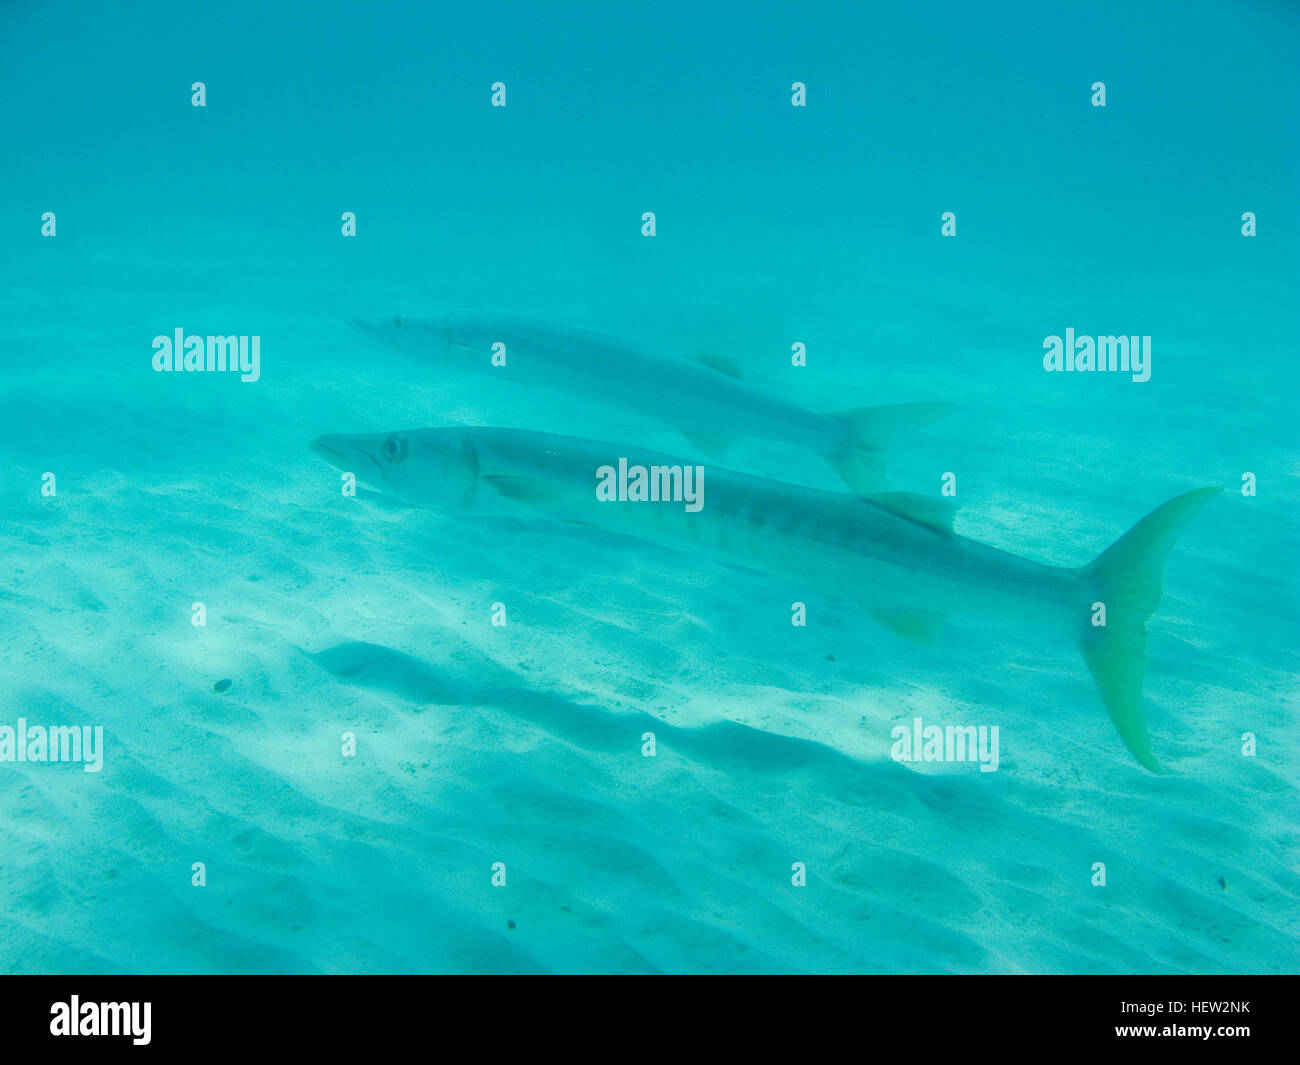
[
  {"x": 894, "y": 554},
  {"x": 705, "y": 399}
]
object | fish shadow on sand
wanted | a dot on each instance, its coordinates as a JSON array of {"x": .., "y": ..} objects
[{"x": 723, "y": 745}]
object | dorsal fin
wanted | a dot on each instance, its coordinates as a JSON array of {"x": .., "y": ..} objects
[
  {"x": 721, "y": 363},
  {"x": 926, "y": 510}
]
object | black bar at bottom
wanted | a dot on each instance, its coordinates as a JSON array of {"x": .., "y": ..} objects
[{"x": 609, "y": 1017}]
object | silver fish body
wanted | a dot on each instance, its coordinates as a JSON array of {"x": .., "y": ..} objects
[
  {"x": 707, "y": 401},
  {"x": 895, "y": 554}
]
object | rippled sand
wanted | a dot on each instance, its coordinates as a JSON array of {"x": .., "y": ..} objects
[{"x": 522, "y": 744}]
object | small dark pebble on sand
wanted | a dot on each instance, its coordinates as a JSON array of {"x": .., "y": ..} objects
[{"x": 221, "y": 685}]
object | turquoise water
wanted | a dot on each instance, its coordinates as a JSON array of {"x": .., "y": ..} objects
[{"x": 522, "y": 744}]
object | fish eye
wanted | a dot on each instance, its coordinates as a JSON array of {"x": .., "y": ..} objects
[
  {"x": 394, "y": 449},
  {"x": 399, "y": 320}
]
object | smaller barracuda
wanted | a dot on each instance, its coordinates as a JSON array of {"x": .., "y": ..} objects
[
  {"x": 895, "y": 554},
  {"x": 704, "y": 399}
]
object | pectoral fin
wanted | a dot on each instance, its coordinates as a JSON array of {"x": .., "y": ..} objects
[
  {"x": 919, "y": 626},
  {"x": 711, "y": 442},
  {"x": 524, "y": 489},
  {"x": 720, "y": 363},
  {"x": 926, "y": 510}
]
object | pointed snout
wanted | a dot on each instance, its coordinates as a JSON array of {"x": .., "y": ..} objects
[
  {"x": 375, "y": 328},
  {"x": 333, "y": 449}
]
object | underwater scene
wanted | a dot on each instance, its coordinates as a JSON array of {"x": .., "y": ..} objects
[{"x": 649, "y": 488}]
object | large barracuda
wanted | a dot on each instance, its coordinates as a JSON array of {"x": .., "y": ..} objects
[
  {"x": 895, "y": 554},
  {"x": 704, "y": 399}
]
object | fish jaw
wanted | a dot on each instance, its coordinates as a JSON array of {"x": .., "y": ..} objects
[
  {"x": 426, "y": 336},
  {"x": 351, "y": 454},
  {"x": 425, "y": 467},
  {"x": 385, "y": 330}
]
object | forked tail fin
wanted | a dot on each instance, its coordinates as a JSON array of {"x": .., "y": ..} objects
[
  {"x": 868, "y": 432},
  {"x": 1126, "y": 577}
]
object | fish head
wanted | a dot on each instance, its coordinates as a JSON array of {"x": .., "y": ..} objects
[
  {"x": 429, "y": 336},
  {"x": 435, "y": 468}
]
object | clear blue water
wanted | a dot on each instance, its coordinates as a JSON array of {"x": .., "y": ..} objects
[{"x": 522, "y": 745}]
